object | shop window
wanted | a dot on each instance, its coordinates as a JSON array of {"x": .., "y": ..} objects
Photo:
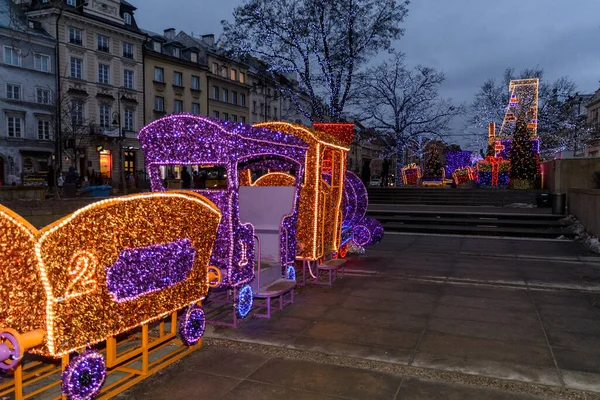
[{"x": 106, "y": 164}]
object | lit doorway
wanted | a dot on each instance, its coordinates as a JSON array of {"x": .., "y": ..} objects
[
  {"x": 106, "y": 164},
  {"x": 129, "y": 165}
]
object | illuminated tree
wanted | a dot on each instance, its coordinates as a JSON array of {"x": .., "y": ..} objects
[
  {"x": 522, "y": 157},
  {"x": 404, "y": 105},
  {"x": 555, "y": 125},
  {"x": 433, "y": 165},
  {"x": 322, "y": 42}
]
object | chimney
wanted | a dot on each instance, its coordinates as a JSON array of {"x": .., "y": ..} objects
[
  {"x": 170, "y": 33},
  {"x": 209, "y": 39}
]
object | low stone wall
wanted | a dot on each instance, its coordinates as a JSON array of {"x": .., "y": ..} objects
[
  {"x": 22, "y": 193},
  {"x": 562, "y": 175},
  {"x": 40, "y": 213},
  {"x": 584, "y": 204}
]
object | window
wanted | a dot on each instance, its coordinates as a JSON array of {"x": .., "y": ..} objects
[
  {"x": 177, "y": 79},
  {"x": 103, "y": 44},
  {"x": 224, "y": 95},
  {"x": 224, "y": 72},
  {"x": 159, "y": 103},
  {"x": 41, "y": 62},
  {"x": 15, "y": 127},
  {"x": 194, "y": 57},
  {"x": 105, "y": 121},
  {"x": 43, "y": 130},
  {"x": 233, "y": 117},
  {"x": 242, "y": 77},
  {"x": 275, "y": 112},
  {"x": 72, "y": 3},
  {"x": 195, "y": 108},
  {"x": 159, "y": 74},
  {"x": 177, "y": 106},
  {"x": 103, "y": 73},
  {"x": 175, "y": 52},
  {"x": 157, "y": 47},
  {"x": 242, "y": 99},
  {"x": 76, "y": 67},
  {"x": 234, "y": 98},
  {"x": 42, "y": 95},
  {"x": 262, "y": 108},
  {"x": 127, "y": 50},
  {"x": 128, "y": 119},
  {"x": 12, "y": 56},
  {"x": 195, "y": 82},
  {"x": 216, "y": 114},
  {"x": 254, "y": 107},
  {"x": 215, "y": 93},
  {"x": 13, "y": 92},
  {"x": 215, "y": 68},
  {"x": 233, "y": 74},
  {"x": 242, "y": 119},
  {"x": 127, "y": 18},
  {"x": 77, "y": 113},
  {"x": 128, "y": 79},
  {"x": 225, "y": 116},
  {"x": 75, "y": 36},
  {"x": 268, "y": 111}
]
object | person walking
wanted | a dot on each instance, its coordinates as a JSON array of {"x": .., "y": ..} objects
[{"x": 186, "y": 178}]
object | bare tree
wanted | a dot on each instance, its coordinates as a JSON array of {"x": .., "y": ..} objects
[
  {"x": 322, "y": 42},
  {"x": 404, "y": 105}
]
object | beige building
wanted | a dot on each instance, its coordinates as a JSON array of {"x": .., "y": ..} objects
[
  {"x": 100, "y": 84},
  {"x": 175, "y": 77},
  {"x": 226, "y": 80}
]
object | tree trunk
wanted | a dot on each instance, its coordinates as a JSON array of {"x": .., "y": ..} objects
[{"x": 399, "y": 163}]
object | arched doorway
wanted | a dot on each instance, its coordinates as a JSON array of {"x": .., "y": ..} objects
[{"x": 2, "y": 180}]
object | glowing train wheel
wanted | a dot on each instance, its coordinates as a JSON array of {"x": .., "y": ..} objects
[
  {"x": 192, "y": 325},
  {"x": 243, "y": 302},
  {"x": 290, "y": 273},
  {"x": 214, "y": 277},
  {"x": 84, "y": 376},
  {"x": 10, "y": 350}
]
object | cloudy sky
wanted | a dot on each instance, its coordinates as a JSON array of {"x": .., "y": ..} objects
[{"x": 470, "y": 40}]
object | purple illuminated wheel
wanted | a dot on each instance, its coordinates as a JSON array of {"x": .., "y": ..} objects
[
  {"x": 10, "y": 351},
  {"x": 84, "y": 376},
  {"x": 192, "y": 325}
]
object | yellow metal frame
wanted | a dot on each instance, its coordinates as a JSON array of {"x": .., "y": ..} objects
[{"x": 26, "y": 375}]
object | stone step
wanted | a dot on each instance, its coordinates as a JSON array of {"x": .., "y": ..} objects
[
  {"x": 480, "y": 231},
  {"x": 491, "y": 222}
]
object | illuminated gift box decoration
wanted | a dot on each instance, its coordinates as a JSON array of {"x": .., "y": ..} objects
[
  {"x": 461, "y": 175},
  {"x": 411, "y": 174},
  {"x": 320, "y": 209},
  {"x": 67, "y": 289},
  {"x": 194, "y": 140},
  {"x": 493, "y": 171},
  {"x": 435, "y": 181}
]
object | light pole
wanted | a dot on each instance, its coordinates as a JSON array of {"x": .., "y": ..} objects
[{"x": 117, "y": 123}]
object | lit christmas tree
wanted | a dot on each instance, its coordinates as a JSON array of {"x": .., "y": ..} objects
[
  {"x": 522, "y": 157},
  {"x": 433, "y": 165}
]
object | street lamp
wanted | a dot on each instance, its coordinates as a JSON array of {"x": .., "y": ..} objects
[{"x": 117, "y": 123}]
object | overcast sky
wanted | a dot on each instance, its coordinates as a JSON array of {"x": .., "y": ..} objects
[{"x": 469, "y": 40}]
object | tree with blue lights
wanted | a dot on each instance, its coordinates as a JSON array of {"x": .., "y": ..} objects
[{"x": 322, "y": 43}]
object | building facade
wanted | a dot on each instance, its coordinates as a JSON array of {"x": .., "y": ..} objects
[
  {"x": 100, "y": 91},
  {"x": 27, "y": 90},
  {"x": 226, "y": 80},
  {"x": 175, "y": 77}
]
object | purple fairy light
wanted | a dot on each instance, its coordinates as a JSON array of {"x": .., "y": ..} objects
[
  {"x": 186, "y": 139},
  {"x": 84, "y": 376},
  {"x": 149, "y": 269},
  {"x": 192, "y": 325},
  {"x": 368, "y": 231}
]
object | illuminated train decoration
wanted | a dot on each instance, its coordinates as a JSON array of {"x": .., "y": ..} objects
[
  {"x": 197, "y": 142},
  {"x": 106, "y": 269}
]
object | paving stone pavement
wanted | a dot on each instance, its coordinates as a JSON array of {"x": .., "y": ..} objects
[{"x": 416, "y": 317}]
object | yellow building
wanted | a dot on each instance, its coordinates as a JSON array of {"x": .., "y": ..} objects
[
  {"x": 175, "y": 77},
  {"x": 100, "y": 84},
  {"x": 226, "y": 81}
]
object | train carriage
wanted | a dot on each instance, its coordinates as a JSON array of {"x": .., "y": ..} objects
[
  {"x": 106, "y": 269},
  {"x": 197, "y": 142}
]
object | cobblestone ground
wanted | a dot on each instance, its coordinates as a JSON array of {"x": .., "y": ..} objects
[{"x": 416, "y": 317}]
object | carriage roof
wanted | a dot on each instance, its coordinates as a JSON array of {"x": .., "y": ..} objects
[
  {"x": 308, "y": 135},
  {"x": 187, "y": 138}
]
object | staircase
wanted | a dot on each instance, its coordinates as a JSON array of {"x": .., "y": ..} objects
[
  {"x": 453, "y": 197},
  {"x": 485, "y": 222}
]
